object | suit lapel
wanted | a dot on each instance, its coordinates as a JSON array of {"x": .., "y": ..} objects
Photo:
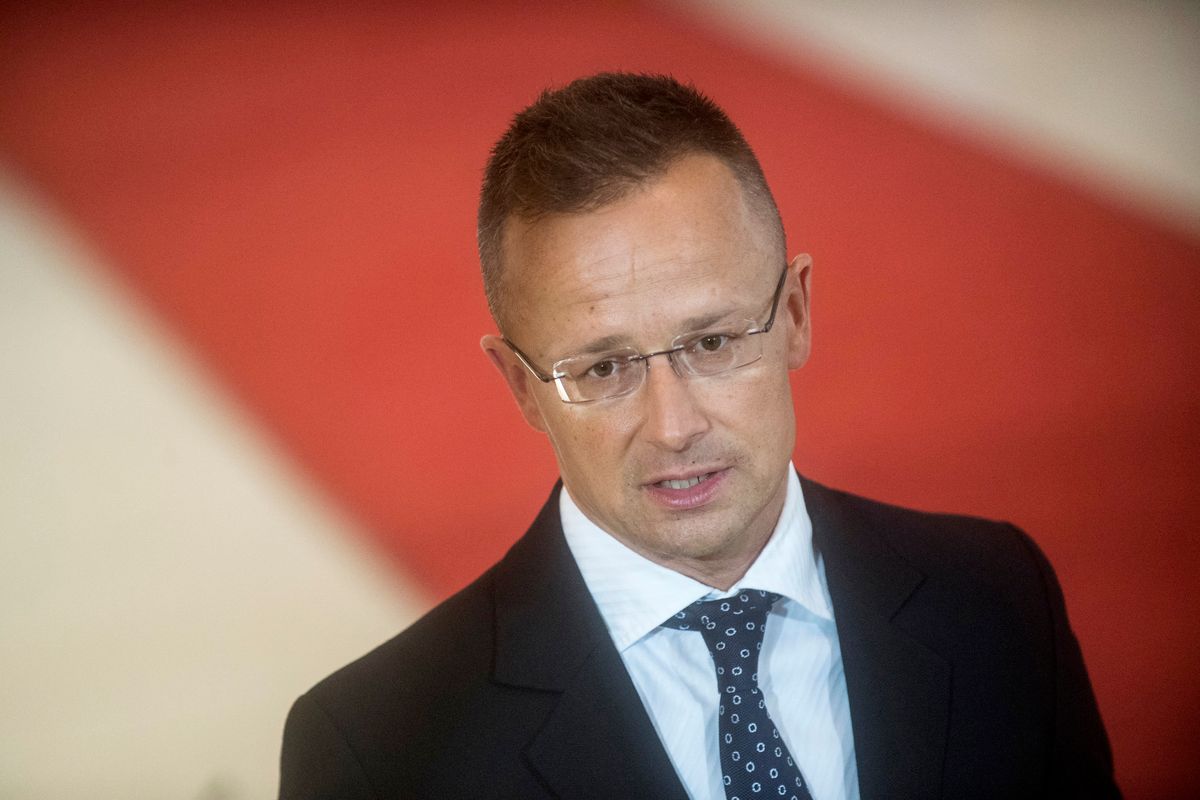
[
  {"x": 899, "y": 689},
  {"x": 598, "y": 741}
]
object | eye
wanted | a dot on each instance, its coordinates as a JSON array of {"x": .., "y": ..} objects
[
  {"x": 712, "y": 342},
  {"x": 603, "y": 369}
]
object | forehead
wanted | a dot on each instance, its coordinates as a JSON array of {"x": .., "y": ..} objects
[{"x": 682, "y": 246}]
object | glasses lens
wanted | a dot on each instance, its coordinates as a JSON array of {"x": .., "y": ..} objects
[
  {"x": 583, "y": 379},
  {"x": 714, "y": 352},
  {"x": 587, "y": 378}
]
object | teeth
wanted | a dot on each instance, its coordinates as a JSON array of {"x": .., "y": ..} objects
[{"x": 683, "y": 484}]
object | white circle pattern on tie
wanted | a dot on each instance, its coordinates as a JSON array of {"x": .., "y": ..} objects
[{"x": 733, "y": 630}]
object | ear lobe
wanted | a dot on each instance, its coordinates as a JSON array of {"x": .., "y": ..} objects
[
  {"x": 796, "y": 303},
  {"x": 519, "y": 381}
]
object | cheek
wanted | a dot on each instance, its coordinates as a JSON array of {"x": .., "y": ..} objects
[
  {"x": 773, "y": 403},
  {"x": 589, "y": 441},
  {"x": 757, "y": 412},
  {"x": 746, "y": 401}
]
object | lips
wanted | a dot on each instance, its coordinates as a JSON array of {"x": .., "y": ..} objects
[{"x": 682, "y": 491}]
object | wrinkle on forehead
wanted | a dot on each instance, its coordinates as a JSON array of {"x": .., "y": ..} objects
[
  {"x": 675, "y": 248},
  {"x": 625, "y": 298},
  {"x": 623, "y": 274}
]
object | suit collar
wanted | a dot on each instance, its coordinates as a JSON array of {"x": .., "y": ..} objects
[
  {"x": 598, "y": 741},
  {"x": 899, "y": 688}
]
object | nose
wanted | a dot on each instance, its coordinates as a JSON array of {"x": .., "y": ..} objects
[{"x": 673, "y": 419}]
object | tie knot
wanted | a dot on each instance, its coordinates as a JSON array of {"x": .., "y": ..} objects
[{"x": 749, "y": 606}]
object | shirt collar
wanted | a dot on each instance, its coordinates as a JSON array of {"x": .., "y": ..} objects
[{"x": 635, "y": 594}]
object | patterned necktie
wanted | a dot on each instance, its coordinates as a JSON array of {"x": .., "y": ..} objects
[{"x": 755, "y": 763}]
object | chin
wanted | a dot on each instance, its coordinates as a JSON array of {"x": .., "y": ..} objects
[{"x": 704, "y": 544}]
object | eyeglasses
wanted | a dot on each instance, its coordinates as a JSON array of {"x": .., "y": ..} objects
[{"x": 588, "y": 378}]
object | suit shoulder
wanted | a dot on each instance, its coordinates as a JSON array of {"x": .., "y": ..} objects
[
  {"x": 969, "y": 548},
  {"x": 450, "y": 643},
  {"x": 425, "y": 710},
  {"x": 419, "y": 711}
]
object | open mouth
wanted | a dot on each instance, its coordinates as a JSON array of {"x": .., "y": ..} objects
[{"x": 685, "y": 483}]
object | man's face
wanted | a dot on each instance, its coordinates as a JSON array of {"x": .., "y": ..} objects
[{"x": 681, "y": 249}]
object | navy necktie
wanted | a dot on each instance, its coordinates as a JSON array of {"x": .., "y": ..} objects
[{"x": 755, "y": 763}]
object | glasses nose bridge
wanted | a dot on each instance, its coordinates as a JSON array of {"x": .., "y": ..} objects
[{"x": 672, "y": 354}]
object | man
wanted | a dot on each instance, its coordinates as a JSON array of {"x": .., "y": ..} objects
[{"x": 687, "y": 617}]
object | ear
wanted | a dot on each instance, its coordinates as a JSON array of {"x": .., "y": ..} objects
[
  {"x": 520, "y": 382},
  {"x": 795, "y": 304}
]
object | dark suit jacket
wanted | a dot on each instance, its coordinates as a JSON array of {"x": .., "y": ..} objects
[{"x": 964, "y": 678}]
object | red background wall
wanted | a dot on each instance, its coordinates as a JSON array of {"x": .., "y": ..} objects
[{"x": 294, "y": 190}]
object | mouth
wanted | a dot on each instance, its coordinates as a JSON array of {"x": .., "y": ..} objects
[
  {"x": 684, "y": 492},
  {"x": 684, "y": 483}
]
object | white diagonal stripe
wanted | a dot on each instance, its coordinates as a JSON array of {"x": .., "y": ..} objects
[
  {"x": 1104, "y": 91},
  {"x": 168, "y": 582}
]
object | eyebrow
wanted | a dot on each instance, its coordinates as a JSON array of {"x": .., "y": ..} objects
[
  {"x": 610, "y": 342},
  {"x": 704, "y": 321},
  {"x": 614, "y": 341}
]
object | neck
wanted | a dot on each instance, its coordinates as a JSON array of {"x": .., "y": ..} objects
[{"x": 721, "y": 572}]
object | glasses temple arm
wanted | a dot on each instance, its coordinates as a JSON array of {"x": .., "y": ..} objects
[
  {"x": 766, "y": 328},
  {"x": 524, "y": 359}
]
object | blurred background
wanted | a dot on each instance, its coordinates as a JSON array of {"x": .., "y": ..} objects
[{"x": 246, "y": 431}]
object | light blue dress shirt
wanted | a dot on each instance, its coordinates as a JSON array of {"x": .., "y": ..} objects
[{"x": 800, "y": 667}]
